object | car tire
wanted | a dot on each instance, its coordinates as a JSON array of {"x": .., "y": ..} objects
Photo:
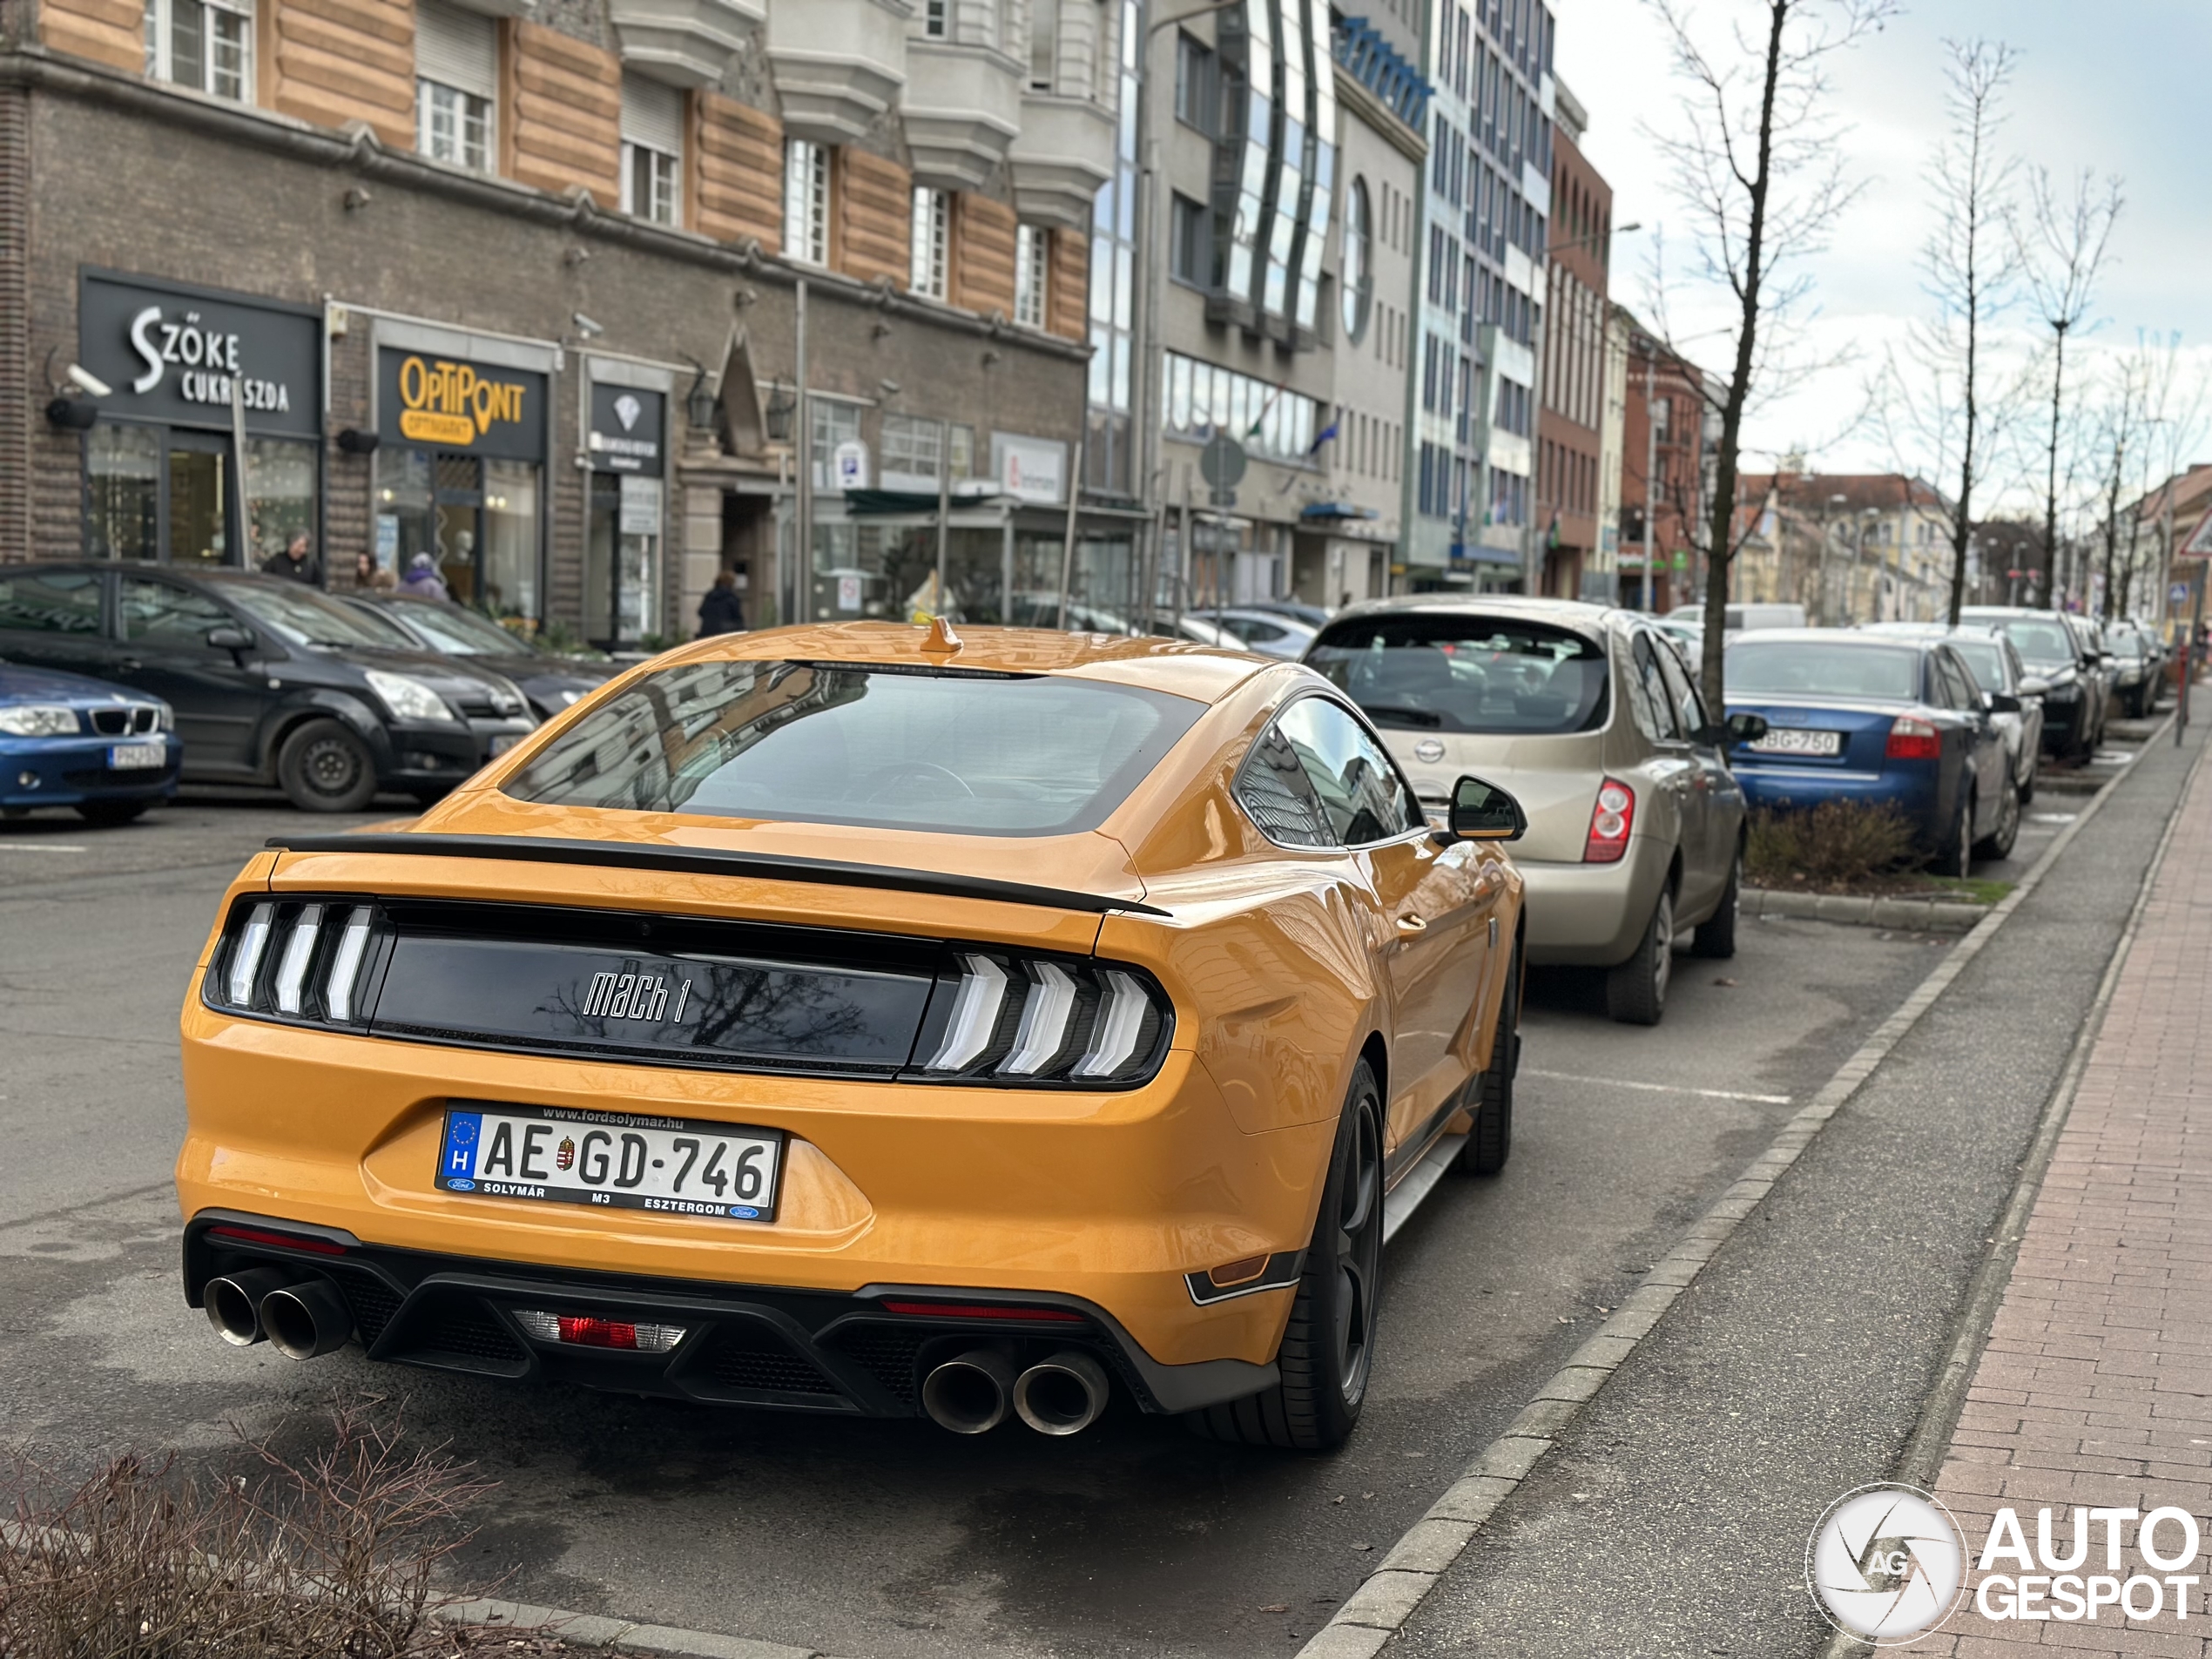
[
  {"x": 2025, "y": 787},
  {"x": 1489, "y": 1096},
  {"x": 1997, "y": 844},
  {"x": 1636, "y": 991},
  {"x": 1955, "y": 857},
  {"x": 324, "y": 767},
  {"x": 1327, "y": 1353},
  {"x": 1715, "y": 937},
  {"x": 107, "y": 814}
]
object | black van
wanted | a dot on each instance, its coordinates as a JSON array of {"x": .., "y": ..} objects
[{"x": 273, "y": 682}]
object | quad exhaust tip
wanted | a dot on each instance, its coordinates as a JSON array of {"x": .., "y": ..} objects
[
  {"x": 301, "y": 1318},
  {"x": 968, "y": 1393},
  {"x": 1064, "y": 1394}
]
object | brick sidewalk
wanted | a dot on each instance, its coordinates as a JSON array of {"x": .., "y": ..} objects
[{"x": 2096, "y": 1386}]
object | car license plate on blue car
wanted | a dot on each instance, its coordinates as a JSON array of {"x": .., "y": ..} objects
[
  {"x": 135, "y": 757},
  {"x": 617, "y": 1160},
  {"x": 1795, "y": 741}
]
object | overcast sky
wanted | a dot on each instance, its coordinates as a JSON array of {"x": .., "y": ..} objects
[{"x": 2124, "y": 87}]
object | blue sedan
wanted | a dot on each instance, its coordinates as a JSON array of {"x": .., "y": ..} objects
[
  {"x": 69, "y": 741},
  {"x": 1854, "y": 716}
]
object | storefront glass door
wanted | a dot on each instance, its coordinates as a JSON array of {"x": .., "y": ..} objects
[{"x": 621, "y": 609}]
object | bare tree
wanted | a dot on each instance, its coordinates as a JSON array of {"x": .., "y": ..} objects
[
  {"x": 2061, "y": 248},
  {"x": 2121, "y": 432},
  {"x": 1936, "y": 398},
  {"x": 1758, "y": 167}
]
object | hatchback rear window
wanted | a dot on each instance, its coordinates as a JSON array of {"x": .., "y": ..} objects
[
  {"x": 2044, "y": 643},
  {"x": 1455, "y": 673},
  {"x": 968, "y": 753},
  {"x": 1793, "y": 667}
]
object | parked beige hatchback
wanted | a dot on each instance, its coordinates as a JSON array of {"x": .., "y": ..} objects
[{"x": 1586, "y": 714}]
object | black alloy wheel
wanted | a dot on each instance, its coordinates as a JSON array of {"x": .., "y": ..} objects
[
  {"x": 1489, "y": 1094},
  {"x": 1328, "y": 1348},
  {"x": 325, "y": 768},
  {"x": 1715, "y": 937}
]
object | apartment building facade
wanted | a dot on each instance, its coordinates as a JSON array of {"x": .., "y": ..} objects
[
  {"x": 1575, "y": 560},
  {"x": 1488, "y": 207},
  {"x": 1669, "y": 436},
  {"x": 540, "y": 289}
]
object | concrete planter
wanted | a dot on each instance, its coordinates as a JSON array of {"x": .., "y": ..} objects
[{"x": 1906, "y": 915}]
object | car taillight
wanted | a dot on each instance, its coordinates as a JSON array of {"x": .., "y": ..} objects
[
  {"x": 1611, "y": 820},
  {"x": 1028, "y": 1020},
  {"x": 588, "y": 1330},
  {"x": 1911, "y": 740},
  {"x": 310, "y": 959}
]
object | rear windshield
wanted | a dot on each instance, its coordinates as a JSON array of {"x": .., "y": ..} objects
[
  {"x": 970, "y": 754},
  {"x": 1448, "y": 673},
  {"x": 1793, "y": 667},
  {"x": 2044, "y": 643}
]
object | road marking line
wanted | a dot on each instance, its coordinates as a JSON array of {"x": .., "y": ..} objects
[
  {"x": 1382, "y": 1606},
  {"x": 1655, "y": 1089},
  {"x": 41, "y": 846}
]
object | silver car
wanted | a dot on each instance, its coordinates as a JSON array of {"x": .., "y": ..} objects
[{"x": 1588, "y": 716}]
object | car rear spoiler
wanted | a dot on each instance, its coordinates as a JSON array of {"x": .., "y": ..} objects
[{"x": 693, "y": 860}]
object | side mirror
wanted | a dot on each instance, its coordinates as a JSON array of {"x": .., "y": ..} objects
[
  {"x": 1742, "y": 728},
  {"x": 229, "y": 639},
  {"x": 2034, "y": 685},
  {"x": 2002, "y": 702},
  {"x": 1483, "y": 811}
]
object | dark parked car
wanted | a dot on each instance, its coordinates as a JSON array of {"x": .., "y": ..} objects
[
  {"x": 551, "y": 681},
  {"x": 69, "y": 741},
  {"x": 273, "y": 682},
  {"x": 2061, "y": 670},
  {"x": 1872, "y": 718},
  {"x": 2140, "y": 664}
]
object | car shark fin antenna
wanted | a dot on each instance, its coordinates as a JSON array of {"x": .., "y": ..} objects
[{"x": 941, "y": 639}]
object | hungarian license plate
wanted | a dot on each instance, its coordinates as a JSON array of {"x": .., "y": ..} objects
[
  {"x": 1795, "y": 741},
  {"x": 503, "y": 741},
  {"x": 616, "y": 1160},
  {"x": 133, "y": 757}
]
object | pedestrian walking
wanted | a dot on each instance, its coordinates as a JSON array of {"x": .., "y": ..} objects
[
  {"x": 721, "y": 612},
  {"x": 297, "y": 560},
  {"x": 423, "y": 581}
]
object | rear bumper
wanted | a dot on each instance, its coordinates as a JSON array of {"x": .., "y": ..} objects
[
  {"x": 67, "y": 772},
  {"x": 1914, "y": 793},
  {"x": 759, "y": 1345},
  {"x": 1592, "y": 915}
]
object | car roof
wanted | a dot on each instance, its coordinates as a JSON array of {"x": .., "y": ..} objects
[
  {"x": 1567, "y": 613},
  {"x": 1204, "y": 673},
  {"x": 1857, "y": 638}
]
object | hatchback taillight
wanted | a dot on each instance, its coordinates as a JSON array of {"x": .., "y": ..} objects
[
  {"x": 297, "y": 959},
  {"x": 1912, "y": 739},
  {"x": 1611, "y": 820}
]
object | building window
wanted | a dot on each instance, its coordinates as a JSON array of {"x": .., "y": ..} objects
[
  {"x": 1044, "y": 45},
  {"x": 911, "y": 445},
  {"x": 208, "y": 48},
  {"x": 807, "y": 202},
  {"x": 1032, "y": 252},
  {"x": 931, "y": 241},
  {"x": 652, "y": 150},
  {"x": 1203, "y": 399},
  {"x": 933, "y": 19},
  {"x": 1190, "y": 249},
  {"x": 456, "y": 60},
  {"x": 1356, "y": 272},
  {"x": 835, "y": 423},
  {"x": 1197, "y": 85}
]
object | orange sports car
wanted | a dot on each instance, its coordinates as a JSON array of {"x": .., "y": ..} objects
[{"x": 873, "y": 1020}]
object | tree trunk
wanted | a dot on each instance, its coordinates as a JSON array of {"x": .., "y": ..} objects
[
  {"x": 2051, "y": 476},
  {"x": 1720, "y": 526}
]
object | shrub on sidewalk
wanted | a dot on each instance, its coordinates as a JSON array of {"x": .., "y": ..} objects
[
  {"x": 330, "y": 1554},
  {"x": 1838, "y": 843}
]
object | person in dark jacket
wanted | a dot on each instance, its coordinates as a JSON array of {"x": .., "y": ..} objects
[
  {"x": 721, "y": 612},
  {"x": 297, "y": 560}
]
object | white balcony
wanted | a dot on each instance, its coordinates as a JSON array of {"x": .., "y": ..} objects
[
  {"x": 839, "y": 65},
  {"x": 682, "y": 43},
  {"x": 1063, "y": 154},
  {"x": 963, "y": 107}
]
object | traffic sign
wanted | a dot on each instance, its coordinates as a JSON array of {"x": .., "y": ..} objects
[
  {"x": 1222, "y": 462},
  {"x": 2177, "y": 594},
  {"x": 2199, "y": 546}
]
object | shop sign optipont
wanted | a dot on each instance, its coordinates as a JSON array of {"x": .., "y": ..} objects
[
  {"x": 172, "y": 355},
  {"x": 438, "y": 403}
]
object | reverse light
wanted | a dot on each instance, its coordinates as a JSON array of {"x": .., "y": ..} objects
[
  {"x": 1914, "y": 739},
  {"x": 1612, "y": 818},
  {"x": 584, "y": 1330},
  {"x": 1037, "y": 1020}
]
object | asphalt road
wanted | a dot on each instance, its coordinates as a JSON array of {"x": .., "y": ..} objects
[{"x": 861, "y": 1539}]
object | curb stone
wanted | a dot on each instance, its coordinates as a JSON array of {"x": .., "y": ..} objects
[
  {"x": 1364, "y": 1622},
  {"x": 589, "y": 1630},
  {"x": 1906, "y": 915}
]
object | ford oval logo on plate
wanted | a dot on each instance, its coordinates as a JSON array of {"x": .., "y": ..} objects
[{"x": 1428, "y": 750}]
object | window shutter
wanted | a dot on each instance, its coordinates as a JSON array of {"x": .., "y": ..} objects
[
  {"x": 455, "y": 48},
  {"x": 652, "y": 114}
]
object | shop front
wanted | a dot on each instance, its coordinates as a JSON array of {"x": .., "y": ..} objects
[
  {"x": 625, "y": 440},
  {"x": 192, "y": 373},
  {"x": 461, "y": 428}
]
